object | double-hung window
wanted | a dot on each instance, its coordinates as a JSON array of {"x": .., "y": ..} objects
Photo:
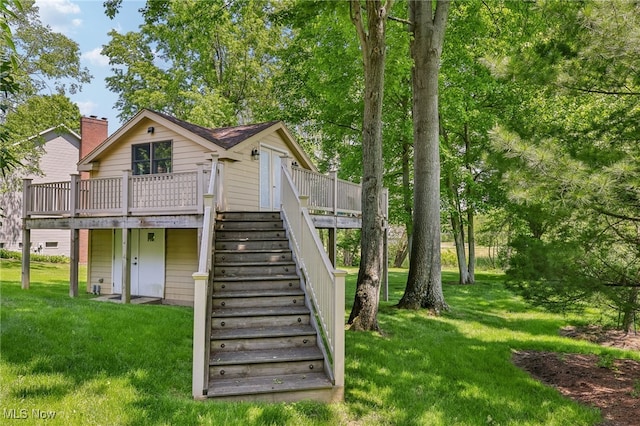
[{"x": 151, "y": 158}]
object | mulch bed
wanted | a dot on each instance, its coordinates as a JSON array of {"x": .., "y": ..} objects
[{"x": 613, "y": 386}]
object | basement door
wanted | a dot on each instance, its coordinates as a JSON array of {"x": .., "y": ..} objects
[
  {"x": 146, "y": 263},
  {"x": 270, "y": 177}
]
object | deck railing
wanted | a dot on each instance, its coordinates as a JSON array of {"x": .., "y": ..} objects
[
  {"x": 126, "y": 195},
  {"x": 327, "y": 193},
  {"x": 324, "y": 284},
  {"x": 203, "y": 289}
]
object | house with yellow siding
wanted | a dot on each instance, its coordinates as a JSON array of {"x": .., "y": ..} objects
[{"x": 225, "y": 221}]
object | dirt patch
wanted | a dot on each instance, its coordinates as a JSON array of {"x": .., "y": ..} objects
[{"x": 611, "y": 385}]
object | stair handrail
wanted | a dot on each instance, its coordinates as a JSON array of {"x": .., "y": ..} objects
[
  {"x": 324, "y": 284},
  {"x": 203, "y": 291}
]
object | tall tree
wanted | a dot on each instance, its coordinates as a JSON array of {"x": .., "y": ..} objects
[
  {"x": 574, "y": 171},
  {"x": 424, "y": 282},
  {"x": 211, "y": 62},
  {"x": 371, "y": 30}
]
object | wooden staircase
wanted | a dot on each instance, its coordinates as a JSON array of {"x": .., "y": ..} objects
[{"x": 264, "y": 346}]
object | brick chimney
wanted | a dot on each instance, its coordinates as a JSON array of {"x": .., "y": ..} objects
[{"x": 93, "y": 131}]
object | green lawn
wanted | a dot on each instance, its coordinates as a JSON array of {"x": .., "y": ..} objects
[{"x": 93, "y": 363}]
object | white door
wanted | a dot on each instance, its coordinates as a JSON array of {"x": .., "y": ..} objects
[
  {"x": 270, "y": 176},
  {"x": 147, "y": 262}
]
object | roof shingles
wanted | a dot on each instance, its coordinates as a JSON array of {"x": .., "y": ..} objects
[{"x": 224, "y": 137}]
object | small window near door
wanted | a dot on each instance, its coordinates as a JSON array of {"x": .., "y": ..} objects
[
  {"x": 151, "y": 158},
  {"x": 51, "y": 244}
]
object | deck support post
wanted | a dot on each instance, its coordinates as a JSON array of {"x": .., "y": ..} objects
[
  {"x": 126, "y": 265},
  {"x": 199, "y": 383},
  {"x": 26, "y": 234},
  {"x": 332, "y": 249},
  {"x": 338, "y": 323},
  {"x": 26, "y": 257},
  {"x": 74, "y": 261}
]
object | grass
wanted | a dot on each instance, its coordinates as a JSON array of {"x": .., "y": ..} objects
[{"x": 96, "y": 363}]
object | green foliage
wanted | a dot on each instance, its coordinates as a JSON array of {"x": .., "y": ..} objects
[
  {"x": 35, "y": 257},
  {"x": 181, "y": 64}
]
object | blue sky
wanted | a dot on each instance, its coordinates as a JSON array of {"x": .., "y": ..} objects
[{"x": 84, "y": 22}]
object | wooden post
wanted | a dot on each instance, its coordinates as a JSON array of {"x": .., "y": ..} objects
[
  {"x": 26, "y": 234},
  {"x": 334, "y": 177},
  {"x": 26, "y": 256},
  {"x": 199, "y": 385},
  {"x": 332, "y": 249},
  {"x": 200, "y": 186},
  {"x": 73, "y": 195},
  {"x": 126, "y": 265},
  {"x": 75, "y": 259},
  {"x": 126, "y": 175}
]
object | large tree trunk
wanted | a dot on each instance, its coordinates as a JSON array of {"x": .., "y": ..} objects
[
  {"x": 424, "y": 282},
  {"x": 372, "y": 40}
]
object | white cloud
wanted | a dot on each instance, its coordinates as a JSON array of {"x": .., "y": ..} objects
[
  {"x": 59, "y": 15},
  {"x": 87, "y": 108},
  {"x": 94, "y": 57}
]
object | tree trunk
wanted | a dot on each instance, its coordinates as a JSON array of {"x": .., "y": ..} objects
[
  {"x": 372, "y": 41},
  {"x": 471, "y": 241},
  {"x": 629, "y": 310},
  {"x": 401, "y": 253},
  {"x": 457, "y": 228},
  {"x": 424, "y": 282}
]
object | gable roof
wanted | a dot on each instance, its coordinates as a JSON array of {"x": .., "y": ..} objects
[
  {"x": 56, "y": 131},
  {"x": 225, "y": 137}
]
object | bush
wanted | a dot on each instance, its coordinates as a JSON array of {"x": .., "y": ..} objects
[{"x": 35, "y": 257}]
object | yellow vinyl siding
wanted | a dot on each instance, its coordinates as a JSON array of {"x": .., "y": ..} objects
[
  {"x": 181, "y": 263},
  {"x": 241, "y": 180},
  {"x": 101, "y": 250},
  {"x": 118, "y": 157}
]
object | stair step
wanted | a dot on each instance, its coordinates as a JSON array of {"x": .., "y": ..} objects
[
  {"x": 253, "y": 256},
  {"x": 250, "y": 302},
  {"x": 296, "y": 291},
  {"x": 221, "y": 284},
  {"x": 248, "y": 216},
  {"x": 259, "y": 311},
  {"x": 250, "y": 234},
  {"x": 265, "y": 356},
  {"x": 236, "y": 225},
  {"x": 263, "y": 343},
  {"x": 268, "y": 270},
  {"x": 218, "y": 323},
  {"x": 268, "y": 384},
  {"x": 246, "y": 244},
  {"x": 251, "y": 333}
]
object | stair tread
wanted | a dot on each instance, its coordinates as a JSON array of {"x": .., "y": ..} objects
[
  {"x": 273, "y": 277},
  {"x": 260, "y": 332},
  {"x": 265, "y": 356},
  {"x": 255, "y": 263},
  {"x": 259, "y": 311},
  {"x": 252, "y": 251},
  {"x": 231, "y": 294},
  {"x": 268, "y": 384}
]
